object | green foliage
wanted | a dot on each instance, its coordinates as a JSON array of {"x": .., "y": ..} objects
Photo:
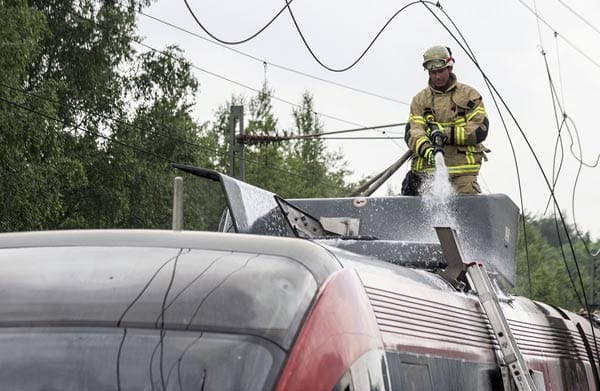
[
  {"x": 321, "y": 173},
  {"x": 88, "y": 126},
  {"x": 291, "y": 168},
  {"x": 542, "y": 269}
]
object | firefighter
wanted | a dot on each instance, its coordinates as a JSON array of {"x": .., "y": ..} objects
[{"x": 453, "y": 114}]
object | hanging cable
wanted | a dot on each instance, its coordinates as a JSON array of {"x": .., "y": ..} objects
[
  {"x": 343, "y": 69},
  {"x": 472, "y": 57},
  {"x": 241, "y": 40},
  {"x": 561, "y": 36},
  {"x": 256, "y": 90},
  {"x": 271, "y": 64},
  {"x": 545, "y": 177},
  {"x": 578, "y": 157},
  {"x": 581, "y": 164},
  {"x": 294, "y": 105},
  {"x": 287, "y": 5}
]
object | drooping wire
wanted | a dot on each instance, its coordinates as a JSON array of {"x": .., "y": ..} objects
[
  {"x": 577, "y": 156},
  {"x": 563, "y": 222},
  {"x": 555, "y": 201},
  {"x": 319, "y": 135},
  {"x": 274, "y": 65},
  {"x": 352, "y": 64},
  {"x": 241, "y": 40},
  {"x": 472, "y": 57},
  {"x": 256, "y": 90},
  {"x": 593, "y": 254},
  {"x": 294, "y": 105},
  {"x": 306, "y": 44},
  {"x": 555, "y": 172},
  {"x": 584, "y": 54}
]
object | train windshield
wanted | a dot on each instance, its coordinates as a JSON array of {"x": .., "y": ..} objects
[
  {"x": 147, "y": 318},
  {"x": 48, "y": 359}
]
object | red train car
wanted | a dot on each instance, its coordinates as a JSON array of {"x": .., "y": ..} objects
[{"x": 256, "y": 310}]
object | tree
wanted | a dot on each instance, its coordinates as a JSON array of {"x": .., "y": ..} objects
[
  {"x": 320, "y": 172},
  {"x": 550, "y": 265},
  {"x": 300, "y": 168},
  {"x": 35, "y": 171},
  {"x": 84, "y": 116}
]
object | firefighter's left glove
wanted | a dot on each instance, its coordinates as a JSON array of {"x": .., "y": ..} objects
[
  {"x": 438, "y": 137},
  {"x": 429, "y": 156}
]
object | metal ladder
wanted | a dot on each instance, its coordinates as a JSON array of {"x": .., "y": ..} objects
[{"x": 456, "y": 273}]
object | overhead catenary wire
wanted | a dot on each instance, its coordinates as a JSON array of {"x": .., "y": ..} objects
[
  {"x": 254, "y": 89},
  {"x": 252, "y": 36},
  {"x": 578, "y": 157},
  {"x": 216, "y": 75},
  {"x": 583, "y": 19},
  {"x": 472, "y": 57},
  {"x": 493, "y": 88},
  {"x": 251, "y": 139},
  {"x": 275, "y": 65},
  {"x": 315, "y": 135},
  {"x": 258, "y": 90},
  {"x": 141, "y": 150},
  {"x": 303, "y": 38},
  {"x": 545, "y": 177},
  {"x": 360, "y": 57},
  {"x": 577, "y": 49}
]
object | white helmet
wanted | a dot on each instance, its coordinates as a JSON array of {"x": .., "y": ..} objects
[{"x": 437, "y": 57}]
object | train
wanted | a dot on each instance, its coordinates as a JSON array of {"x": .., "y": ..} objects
[{"x": 343, "y": 294}]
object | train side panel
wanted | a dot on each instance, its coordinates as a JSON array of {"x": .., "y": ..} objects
[{"x": 436, "y": 339}]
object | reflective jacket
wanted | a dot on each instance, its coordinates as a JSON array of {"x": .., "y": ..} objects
[{"x": 459, "y": 110}]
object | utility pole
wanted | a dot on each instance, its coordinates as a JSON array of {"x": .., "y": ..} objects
[{"x": 236, "y": 116}]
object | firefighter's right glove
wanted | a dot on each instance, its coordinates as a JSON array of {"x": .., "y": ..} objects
[
  {"x": 429, "y": 156},
  {"x": 438, "y": 137}
]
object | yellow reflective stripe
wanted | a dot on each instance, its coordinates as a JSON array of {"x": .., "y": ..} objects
[
  {"x": 466, "y": 169},
  {"x": 446, "y": 124},
  {"x": 477, "y": 110},
  {"x": 417, "y": 119},
  {"x": 459, "y": 135},
  {"x": 470, "y": 157},
  {"x": 419, "y": 163},
  {"x": 460, "y": 122},
  {"x": 420, "y": 142},
  {"x": 463, "y": 169}
]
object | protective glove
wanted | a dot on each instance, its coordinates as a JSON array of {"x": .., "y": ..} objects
[
  {"x": 438, "y": 137},
  {"x": 429, "y": 156}
]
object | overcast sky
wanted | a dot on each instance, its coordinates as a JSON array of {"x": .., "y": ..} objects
[{"x": 503, "y": 35}]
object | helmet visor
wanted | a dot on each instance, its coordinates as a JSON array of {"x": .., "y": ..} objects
[{"x": 435, "y": 64}]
